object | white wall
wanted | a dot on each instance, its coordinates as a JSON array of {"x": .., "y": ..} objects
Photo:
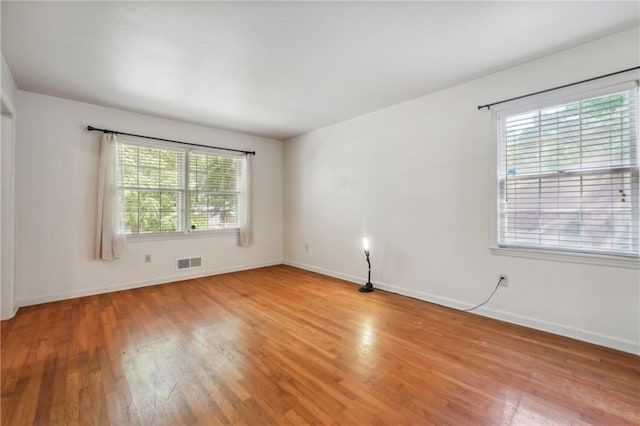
[
  {"x": 8, "y": 100},
  {"x": 418, "y": 178},
  {"x": 56, "y": 179}
]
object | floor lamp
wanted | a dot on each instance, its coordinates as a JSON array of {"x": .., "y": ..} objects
[{"x": 368, "y": 286}]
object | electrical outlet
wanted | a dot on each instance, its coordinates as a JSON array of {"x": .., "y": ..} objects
[
  {"x": 504, "y": 280},
  {"x": 147, "y": 258}
]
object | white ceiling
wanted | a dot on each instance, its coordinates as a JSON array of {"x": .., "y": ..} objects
[{"x": 281, "y": 69}]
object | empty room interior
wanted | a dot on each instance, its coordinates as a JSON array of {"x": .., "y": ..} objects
[{"x": 320, "y": 213}]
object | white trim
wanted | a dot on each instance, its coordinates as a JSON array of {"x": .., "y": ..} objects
[
  {"x": 561, "y": 256},
  {"x": 144, "y": 283},
  {"x": 11, "y": 115},
  {"x": 151, "y": 143},
  {"x": 538, "y": 324},
  {"x": 334, "y": 274},
  {"x": 216, "y": 151},
  {"x": 155, "y": 236},
  {"x": 13, "y": 314},
  {"x": 4, "y": 98}
]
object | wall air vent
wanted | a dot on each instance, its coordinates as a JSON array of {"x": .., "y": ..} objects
[{"x": 189, "y": 263}]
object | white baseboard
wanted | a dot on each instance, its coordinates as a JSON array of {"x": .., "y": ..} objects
[
  {"x": 535, "y": 323},
  {"x": 144, "y": 283},
  {"x": 13, "y": 314}
]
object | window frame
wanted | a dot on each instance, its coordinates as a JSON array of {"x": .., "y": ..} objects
[
  {"x": 544, "y": 101},
  {"x": 238, "y": 192},
  {"x": 183, "y": 217}
]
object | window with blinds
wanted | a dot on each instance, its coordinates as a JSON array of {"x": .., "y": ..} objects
[
  {"x": 214, "y": 187},
  {"x": 165, "y": 188},
  {"x": 150, "y": 182},
  {"x": 568, "y": 175}
]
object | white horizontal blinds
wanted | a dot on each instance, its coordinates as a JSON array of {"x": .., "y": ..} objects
[
  {"x": 214, "y": 189},
  {"x": 151, "y": 188},
  {"x": 569, "y": 176}
]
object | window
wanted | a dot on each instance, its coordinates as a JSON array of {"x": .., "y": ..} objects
[
  {"x": 214, "y": 183},
  {"x": 568, "y": 175},
  {"x": 156, "y": 181}
]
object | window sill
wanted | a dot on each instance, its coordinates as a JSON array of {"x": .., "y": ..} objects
[
  {"x": 560, "y": 256},
  {"x": 134, "y": 238}
]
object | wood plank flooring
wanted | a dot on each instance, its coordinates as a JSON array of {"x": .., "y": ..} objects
[{"x": 283, "y": 346}]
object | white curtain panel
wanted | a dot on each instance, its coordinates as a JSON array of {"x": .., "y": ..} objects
[
  {"x": 246, "y": 230},
  {"x": 109, "y": 242}
]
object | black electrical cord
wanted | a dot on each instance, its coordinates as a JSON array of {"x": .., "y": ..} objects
[{"x": 489, "y": 298}]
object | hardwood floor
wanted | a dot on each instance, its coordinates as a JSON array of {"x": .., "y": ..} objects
[{"x": 283, "y": 346}]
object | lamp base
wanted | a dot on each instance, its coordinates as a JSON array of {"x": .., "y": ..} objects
[{"x": 368, "y": 287}]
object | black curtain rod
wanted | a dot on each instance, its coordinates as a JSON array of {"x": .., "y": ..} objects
[
  {"x": 488, "y": 106},
  {"x": 94, "y": 129}
]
